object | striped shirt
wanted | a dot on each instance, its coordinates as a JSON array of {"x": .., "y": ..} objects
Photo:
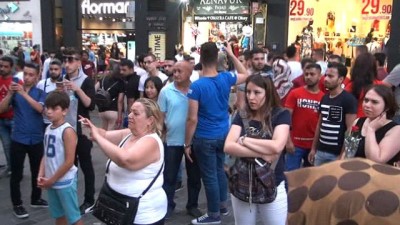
[{"x": 333, "y": 124}]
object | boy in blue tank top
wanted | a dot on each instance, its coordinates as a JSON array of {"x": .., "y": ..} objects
[{"x": 57, "y": 173}]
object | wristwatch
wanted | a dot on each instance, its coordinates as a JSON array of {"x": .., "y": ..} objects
[{"x": 185, "y": 146}]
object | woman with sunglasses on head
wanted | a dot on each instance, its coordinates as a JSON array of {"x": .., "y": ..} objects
[
  {"x": 271, "y": 122},
  {"x": 379, "y": 134},
  {"x": 136, "y": 160}
]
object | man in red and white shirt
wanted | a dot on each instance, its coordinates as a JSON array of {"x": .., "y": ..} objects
[{"x": 303, "y": 103}]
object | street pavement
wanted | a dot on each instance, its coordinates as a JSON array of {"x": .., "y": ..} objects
[{"x": 42, "y": 216}]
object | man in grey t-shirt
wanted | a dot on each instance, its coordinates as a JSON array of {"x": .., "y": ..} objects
[{"x": 393, "y": 80}]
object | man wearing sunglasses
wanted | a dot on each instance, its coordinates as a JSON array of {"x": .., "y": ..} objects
[{"x": 81, "y": 90}]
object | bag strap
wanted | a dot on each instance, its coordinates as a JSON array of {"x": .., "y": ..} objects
[
  {"x": 246, "y": 125},
  {"x": 151, "y": 183}
]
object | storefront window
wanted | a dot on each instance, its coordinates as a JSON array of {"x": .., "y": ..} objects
[{"x": 338, "y": 26}]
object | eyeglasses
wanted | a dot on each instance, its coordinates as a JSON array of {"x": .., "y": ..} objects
[
  {"x": 70, "y": 59},
  {"x": 148, "y": 62}
]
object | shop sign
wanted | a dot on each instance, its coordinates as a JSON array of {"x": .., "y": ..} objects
[
  {"x": 157, "y": 43},
  {"x": 220, "y": 18},
  {"x": 156, "y": 22},
  {"x": 300, "y": 10},
  {"x": 103, "y": 8},
  {"x": 221, "y": 7},
  {"x": 376, "y": 9},
  {"x": 9, "y": 8}
]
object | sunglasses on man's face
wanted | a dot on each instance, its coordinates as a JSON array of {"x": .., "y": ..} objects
[{"x": 70, "y": 59}]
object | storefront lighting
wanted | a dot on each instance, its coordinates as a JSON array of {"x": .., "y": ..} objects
[
  {"x": 124, "y": 20},
  {"x": 184, "y": 1},
  {"x": 101, "y": 18},
  {"x": 113, "y": 19}
]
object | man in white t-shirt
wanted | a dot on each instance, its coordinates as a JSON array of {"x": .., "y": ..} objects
[
  {"x": 151, "y": 64},
  {"x": 318, "y": 56},
  {"x": 295, "y": 66},
  {"x": 195, "y": 55}
]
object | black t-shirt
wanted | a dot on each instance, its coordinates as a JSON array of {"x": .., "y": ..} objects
[
  {"x": 333, "y": 124},
  {"x": 279, "y": 116},
  {"x": 114, "y": 91},
  {"x": 379, "y": 135},
  {"x": 131, "y": 86}
]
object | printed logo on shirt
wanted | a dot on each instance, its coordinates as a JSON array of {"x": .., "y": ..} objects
[{"x": 308, "y": 104}]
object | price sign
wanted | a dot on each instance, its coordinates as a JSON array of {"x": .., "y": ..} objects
[
  {"x": 376, "y": 9},
  {"x": 299, "y": 10}
]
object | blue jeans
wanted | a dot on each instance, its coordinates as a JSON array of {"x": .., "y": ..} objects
[
  {"x": 210, "y": 156},
  {"x": 5, "y": 137},
  {"x": 173, "y": 157},
  {"x": 293, "y": 160},
  {"x": 324, "y": 157}
]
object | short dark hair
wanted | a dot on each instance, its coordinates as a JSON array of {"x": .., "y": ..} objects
[
  {"x": 256, "y": 51},
  {"x": 140, "y": 58},
  {"x": 84, "y": 52},
  {"x": 57, "y": 98},
  {"x": 271, "y": 55},
  {"x": 170, "y": 59},
  {"x": 188, "y": 58},
  {"x": 150, "y": 55},
  {"x": 338, "y": 57},
  {"x": 342, "y": 70},
  {"x": 1, "y": 51},
  {"x": 246, "y": 53},
  {"x": 193, "y": 49},
  {"x": 291, "y": 51},
  {"x": 380, "y": 57},
  {"x": 313, "y": 66},
  {"x": 209, "y": 54},
  {"x": 33, "y": 66},
  {"x": 386, "y": 93},
  {"x": 126, "y": 62},
  {"x": 305, "y": 61},
  {"x": 15, "y": 49},
  {"x": 362, "y": 49},
  {"x": 56, "y": 62},
  {"x": 72, "y": 51},
  {"x": 8, "y": 59}
]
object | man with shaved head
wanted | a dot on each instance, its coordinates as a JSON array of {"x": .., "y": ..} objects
[{"x": 174, "y": 104}]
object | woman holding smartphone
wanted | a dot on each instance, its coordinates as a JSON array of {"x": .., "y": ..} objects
[{"x": 379, "y": 134}]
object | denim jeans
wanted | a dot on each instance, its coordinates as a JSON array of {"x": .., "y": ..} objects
[
  {"x": 293, "y": 160},
  {"x": 210, "y": 157},
  {"x": 173, "y": 157},
  {"x": 5, "y": 137},
  {"x": 324, "y": 157}
]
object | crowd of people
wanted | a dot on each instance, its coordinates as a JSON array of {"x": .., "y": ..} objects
[{"x": 285, "y": 114}]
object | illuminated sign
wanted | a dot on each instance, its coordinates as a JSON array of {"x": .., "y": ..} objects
[
  {"x": 89, "y": 7},
  {"x": 157, "y": 43}
]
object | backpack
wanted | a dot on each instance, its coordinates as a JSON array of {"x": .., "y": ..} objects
[{"x": 102, "y": 97}]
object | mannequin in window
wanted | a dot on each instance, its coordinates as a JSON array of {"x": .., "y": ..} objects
[{"x": 307, "y": 40}]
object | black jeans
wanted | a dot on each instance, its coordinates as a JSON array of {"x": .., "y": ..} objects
[
  {"x": 173, "y": 157},
  {"x": 17, "y": 158},
  {"x": 83, "y": 155}
]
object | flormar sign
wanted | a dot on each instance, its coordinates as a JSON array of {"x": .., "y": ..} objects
[{"x": 89, "y": 7}]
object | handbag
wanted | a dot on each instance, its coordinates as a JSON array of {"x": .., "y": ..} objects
[
  {"x": 114, "y": 208},
  {"x": 102, "y": 97},
  {"x": 253, "y": 179}
]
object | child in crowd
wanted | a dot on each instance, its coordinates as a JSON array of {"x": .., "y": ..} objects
[
  {"x": 57, "y": 173},
  {"x": 152, "y": 88}
]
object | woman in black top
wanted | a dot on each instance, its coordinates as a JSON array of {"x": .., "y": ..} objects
[
  {"x": 379, "y": 134},
  {"x": 111, "y": 116}
]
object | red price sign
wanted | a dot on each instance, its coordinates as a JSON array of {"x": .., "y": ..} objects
[
  {"x": 299, "y": 9},
  {"x": 374, "y": 7}
]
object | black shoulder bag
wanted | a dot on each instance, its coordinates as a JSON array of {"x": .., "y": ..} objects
[
  {"x": 114, "y": 208},
  {"x": 253, "y": 179}
]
